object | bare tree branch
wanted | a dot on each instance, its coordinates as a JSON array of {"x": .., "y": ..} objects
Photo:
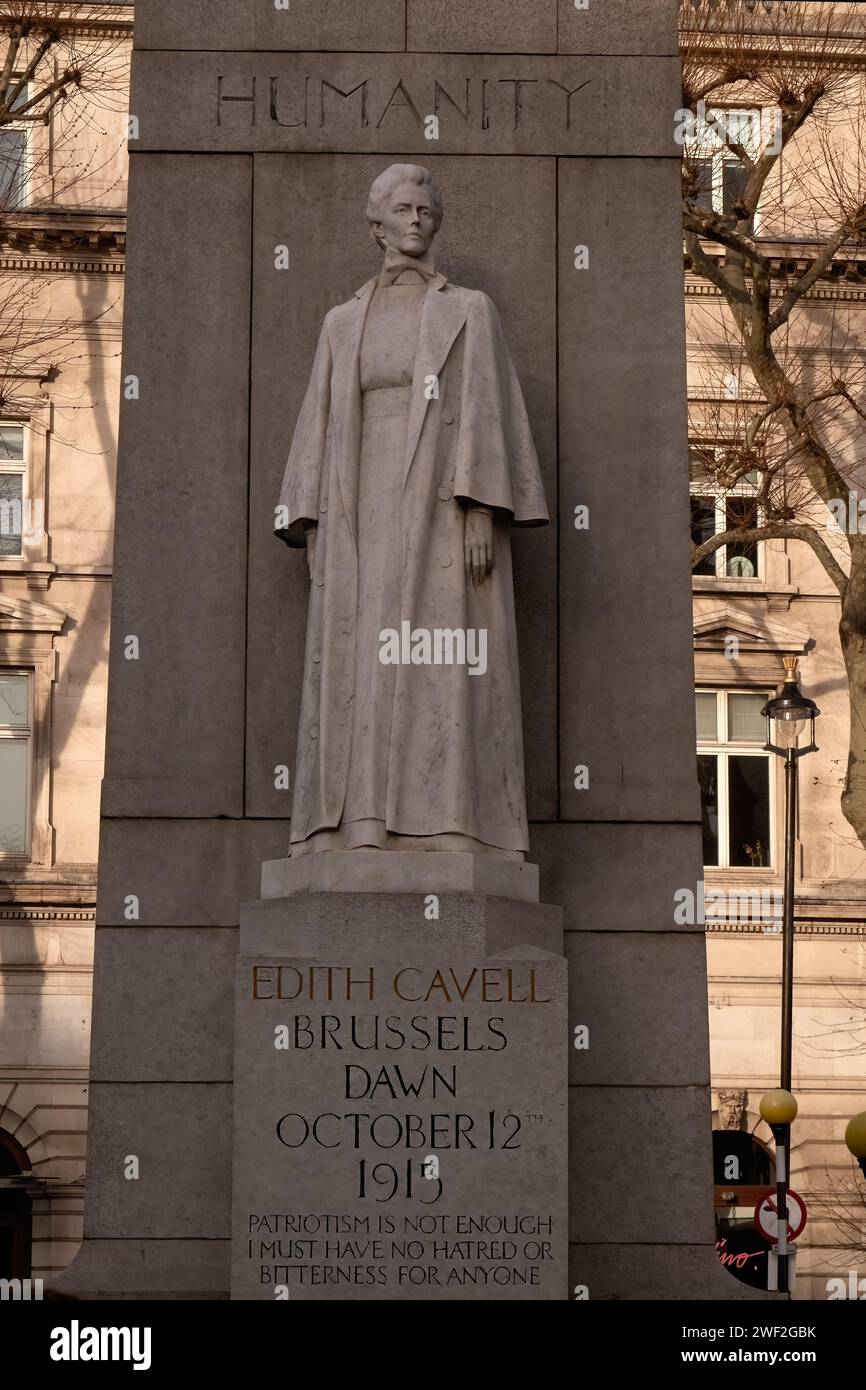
[
  {"x": 809, "y": 278},
  {"x": 775, "y": 531},
  {"x": 794, "y": 424}
]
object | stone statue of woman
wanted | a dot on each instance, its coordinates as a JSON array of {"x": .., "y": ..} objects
[{"x": 411, "y": 459}]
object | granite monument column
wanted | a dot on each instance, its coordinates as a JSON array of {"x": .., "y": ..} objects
[{"x": 257, "y": 134}]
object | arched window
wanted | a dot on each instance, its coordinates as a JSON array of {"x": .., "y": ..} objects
[{"x": 15, "y": 1210}]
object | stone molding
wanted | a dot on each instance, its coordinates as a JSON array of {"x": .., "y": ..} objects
[
  {"x": 63, "y": 241},
  {"x": 754, "y": 633},
  {"x": 856, "y": 927},
  {"x": 48, "y": 914}
]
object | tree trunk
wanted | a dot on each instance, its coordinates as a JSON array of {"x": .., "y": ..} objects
[{"x": 852, "y": 635}]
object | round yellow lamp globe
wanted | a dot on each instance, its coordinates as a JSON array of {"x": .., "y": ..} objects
[
  {"x": 778, "y": 1108},
  {"x": 855, "y": 1135}
]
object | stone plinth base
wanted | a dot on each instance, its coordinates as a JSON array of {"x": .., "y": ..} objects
[
  {"x": 146, "y": 1270},
  {"x": 400, "y": 1099},
  {"x": 399, "y": 871}
]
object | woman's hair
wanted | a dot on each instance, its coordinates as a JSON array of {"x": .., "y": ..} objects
[{"x": 395, "y": 174}]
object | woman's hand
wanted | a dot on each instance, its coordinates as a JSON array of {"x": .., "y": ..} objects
[{"x": 478, "y": 544}]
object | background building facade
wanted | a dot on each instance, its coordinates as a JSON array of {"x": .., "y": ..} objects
[
  {"x": 61, "y": 267},
  {"x": 62, "y": 225},
  {"x": 754, "y": 602}
]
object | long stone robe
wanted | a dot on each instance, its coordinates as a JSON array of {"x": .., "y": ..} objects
[{"x": 453, "y": 753}]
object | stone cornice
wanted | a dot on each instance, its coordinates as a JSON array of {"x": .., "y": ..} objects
[
  {"x": 715, "y": 43},
  {"x": 698, "y": 288},
  {"x": 754, "y": 631},
  {"x": 807, "y": 927},
  {"x": 23, "y": 615},
  {"x": 845, "y": 280},
  {"x": 47, "y": 899},
  {"x": 84, "y": 915},
  {"x": 118, "y": 27},
  {"x": 63, "y": 241}
]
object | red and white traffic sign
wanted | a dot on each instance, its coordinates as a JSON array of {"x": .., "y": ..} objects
[{"x": 766, "y": 1215}]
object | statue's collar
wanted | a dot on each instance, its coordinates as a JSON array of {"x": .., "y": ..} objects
[
  {"x": 398, "y": 268},
  {"x": 394, "y": 266}
]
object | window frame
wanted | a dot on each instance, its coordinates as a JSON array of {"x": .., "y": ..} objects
[
  {"x": 718, "y": 161},
  {"x": 28, "y": 162},
  {"x": 12, "y": 734},
  {"x": 19, "y": 468},
  {"x": 709, "y": 146},
  {"x": 720, "y": 496},
  {"x": 722, "y": 749},
  {"x": 33, "y": 560}
]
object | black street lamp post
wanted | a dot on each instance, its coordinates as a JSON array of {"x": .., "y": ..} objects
[{"x": 790, "y": 712}]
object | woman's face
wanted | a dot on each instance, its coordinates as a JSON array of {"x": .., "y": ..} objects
[{"x": 408, "y": 223}]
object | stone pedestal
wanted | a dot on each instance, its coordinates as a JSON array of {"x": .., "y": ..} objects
[
  {"x": 403, "y": 871},
  {"x": 400, "y": 1099}
]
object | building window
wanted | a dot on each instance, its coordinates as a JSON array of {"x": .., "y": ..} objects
[
  {"x": 716, "y": 508},
  {"x": 720, "y": 181},
  {"x": 719, "y": 177},
  {"x": 13, "y": 467},
  {"x": 15, "y": 158},
  {"x": 16, "y": 762},
  {"x": 734, "y": 778}
]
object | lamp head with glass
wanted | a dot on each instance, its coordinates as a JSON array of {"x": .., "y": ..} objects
[{"x": 790, "y": 712}]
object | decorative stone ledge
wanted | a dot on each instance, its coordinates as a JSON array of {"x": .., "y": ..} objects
[
  {"x": 399, "y": 871},
  {"x": 63, "y": 240}
]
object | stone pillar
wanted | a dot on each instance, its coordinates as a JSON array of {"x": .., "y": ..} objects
[{"x": 259, "y": 129}]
